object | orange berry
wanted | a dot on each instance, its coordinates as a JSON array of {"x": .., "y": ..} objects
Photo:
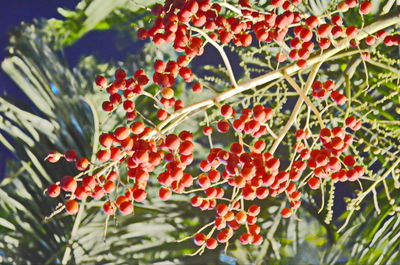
[
  {"x": 121, "y": 133},
  {"x": 82, "y": 163},
  {"x": 241, "y": 217},
  {"x": 137, "y": 127},
  {"x": 365, "y": 7},
  {"x": 72, "y": 207},
  {"x": 167, "y": 92},
  {"x": 109, "y": 187}
]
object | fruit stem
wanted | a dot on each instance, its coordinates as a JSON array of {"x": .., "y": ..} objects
[{"x": 296, "y": 108}]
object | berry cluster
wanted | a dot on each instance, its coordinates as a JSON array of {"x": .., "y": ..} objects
[
  {"x": 227, "y": 180},
  {"x": 327, "y": 162},
  {"x": 321, "y": 90}
]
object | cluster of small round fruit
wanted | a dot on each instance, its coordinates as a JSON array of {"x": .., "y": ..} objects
[
  {"x": 253, "y": 174},
  {"x": 228, "y": 178},
  {"x": 175, "y": 18},
  {"x": 326, "y": 162},
  {"x": 321, "y": 90},
  {"x": 129, "y": 88},
  {"x": 251, "y": 121}
]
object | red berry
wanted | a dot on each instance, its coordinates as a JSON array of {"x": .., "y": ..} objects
[
  {"x": 227, "y": 111},
  {"x": 120, "y": 74},
  {"x": 254, "y": 210},
  {"x": 359, "y": 170},
  {"x": 324, "y": 30},
  {"x": 106, "y": 140},
  {"x": 211, "y": 243},
  {"x": 101, "y": 81},
  {"x": 98, "y": 192},
  {"x": 222, "y": 209},
  {"x": 186, "y": 148},
  {"x": 81, "y": 193},
  {"x": 223, "y": 126},
  {"x": 337, "y": 31},
  {"x": 172, "y": 142},
  {"x": 53, "y": 156},
  {"x": 197, "y": 87},
  {"x": 223, "y": 236},
  {"x": 103, "y": 155},
  {"x": 207, "y": 130},
  {"x": 324, "y": 43},
  {"x": 351, "y": 122},
  {"x": 89, "y": 182},
  {"x": 245, "y": 238},
  {"x": 351, "y": 3},
  {"x": 302, "y": 63},
  {"x": 82, "y": 163},
  {"x": 286, "y": 212},
  {"x": 312, "y": 21},
  {"x": 381, "y": 34},
  {"x": 126, "y": 207},
  {"x": 159, "y": 66},
  {"x": 139, "y": 195},
  {"x": 107, "y": 106},
  {"x": 337, "y": 20},
  {"x": 301, "y": 134},
  {"x": 53, "y": 190},
  {"x": 277, "y": 2},
  {"x": 351, "y": 31},
  {"x": 349, "y": 160},
  {"x": 162, "y": 114},
  {"x": 199, "y": 239},
  {"x": 257, "y": 239},
  {"x": 70, "y": 155},
  {"x": 68, "y": 184},
  {"x": 109, "y": 208},
  {"x": 142, "y": 33},
  {"x": 186, "y": 74},
  {"x": 314, "y": 183},
  {"x": 165, "y": 193}
]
